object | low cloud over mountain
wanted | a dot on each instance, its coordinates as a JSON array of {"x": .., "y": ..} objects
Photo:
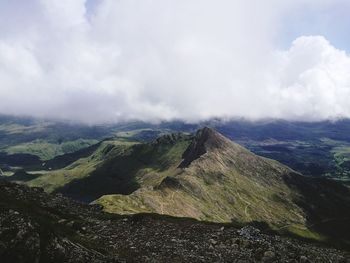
[{"x": 105, "y": 60}]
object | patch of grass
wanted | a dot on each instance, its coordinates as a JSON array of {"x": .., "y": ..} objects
[
  {"x": 305, "y": 232},
  {"x": 46, "y": 151}
]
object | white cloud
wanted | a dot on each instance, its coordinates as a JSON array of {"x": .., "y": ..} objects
[
  {"x": 312, "y": 81},
  {"x": 64, "y": 13},
  {"x": 165, "y": 59}
]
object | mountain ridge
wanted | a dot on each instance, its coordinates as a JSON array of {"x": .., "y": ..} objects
[
  {"x": 219, "y": 180},
  {"x": 203, "y": 139},
  {"x": 204, "y": 176}
]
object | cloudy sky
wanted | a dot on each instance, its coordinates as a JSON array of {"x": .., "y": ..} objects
[{"x": 110, "y": 60}]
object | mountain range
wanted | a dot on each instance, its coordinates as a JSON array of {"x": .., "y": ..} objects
[
  {"x": 205, "y": 176},
  {"x": 318, "y": 149}
]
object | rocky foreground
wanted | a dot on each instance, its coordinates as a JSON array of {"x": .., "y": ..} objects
[{"x": 37, "y": 227}]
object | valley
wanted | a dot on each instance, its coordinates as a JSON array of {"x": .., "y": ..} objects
[{"x": 314, "y": 149}]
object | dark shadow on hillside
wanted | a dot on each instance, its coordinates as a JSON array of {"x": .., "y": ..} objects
[
  {"x": 64, "y": 160},
  {"x": 19, "y": 159},
  {"x": 326, "y": 204},
  {"x": 117, "y": 175}
]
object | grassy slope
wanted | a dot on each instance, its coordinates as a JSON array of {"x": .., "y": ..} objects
[
  {"x": 212, "y": 189},
  {"x": 46, "y": 150},
  {"x": 46, "y": 139},
  {"x": 230, "y": 183},
  {"x": 116, "y": 166},
  {"x": 316, "y": 149},
  {"x": 80, "y": 168}
]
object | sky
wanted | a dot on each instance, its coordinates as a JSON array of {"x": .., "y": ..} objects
[{"x": 102, "y": 61}]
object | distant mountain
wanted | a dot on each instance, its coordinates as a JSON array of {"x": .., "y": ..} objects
[
  {"x": 28, "y": 142},
  {"x": 318, "y": 149}
]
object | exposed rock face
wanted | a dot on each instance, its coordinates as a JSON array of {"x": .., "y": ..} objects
[
  {"x": 169, "y": 182},
  {"x": 37, "y": 227},
  {"x": 203, "y": 140}
]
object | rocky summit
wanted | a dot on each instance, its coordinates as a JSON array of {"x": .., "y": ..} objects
[{"x": 40, "y": 227}]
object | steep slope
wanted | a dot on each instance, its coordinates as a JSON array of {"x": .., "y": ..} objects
[
  {"x": 117, "y": 167},
  {"x": 205, "y": 176},
  {"x": 40, "y": 227},
  {"x": 81, "y": 168},
  {"x": 218, "y": 180}
]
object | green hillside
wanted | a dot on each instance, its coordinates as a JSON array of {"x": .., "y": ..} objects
[
  {"x": 204, "y": 176},
  {"x": 319, "y": 149},
  {"x": 46, "y": 150},
  {"x": 117, "y": 166},
  {"x": 215, "y": 180},
  {"x": 218, "y": 180}
]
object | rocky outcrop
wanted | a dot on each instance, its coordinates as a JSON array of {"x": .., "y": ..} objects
[
  {"x": 203, "y": 140},
  {"x": 38, "y": 227}
]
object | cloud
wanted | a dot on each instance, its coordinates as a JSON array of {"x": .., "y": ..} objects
[
  {"x": 160, "y": 60},
  {"x": 312, "y": 81}
]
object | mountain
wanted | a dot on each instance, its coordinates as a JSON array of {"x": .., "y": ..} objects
[
  {"x": 218, "y": 180},
  {"x": 204, "y": 176},
  {"x": 40, "y": 227},
  {"x": 318, "y": 149}
]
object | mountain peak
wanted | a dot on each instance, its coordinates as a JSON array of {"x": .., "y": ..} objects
[
  {"x": 204, "y": 139},
  {"x": 206, "y": 131},
  {"x": 209, "y": 135}
]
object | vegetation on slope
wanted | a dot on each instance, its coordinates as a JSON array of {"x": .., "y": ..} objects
[
  {"x": 116, "y": 167},
  {"x": 220, "y": 181},
  {"x": 46, "y": 151},
  {"x": 317, "y": 149},
  {"x": 81, "y": 168}
]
